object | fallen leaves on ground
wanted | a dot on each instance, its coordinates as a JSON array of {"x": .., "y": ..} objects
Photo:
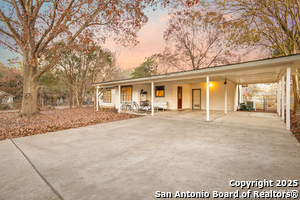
[
  {"x": 12, "y": 126},
  {"x": 295, "y": 126}
]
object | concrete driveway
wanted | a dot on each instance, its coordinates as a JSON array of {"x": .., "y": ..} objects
[{"x": 132, "y": 159}]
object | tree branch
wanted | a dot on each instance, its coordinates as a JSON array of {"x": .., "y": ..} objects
[
  {"x": 10, "y": 47},
  {"x": 18, "y": 12},
  {"x": 42, "y": 44},
  {"x": 6, "y": 33},
  {"x": 15, "y": 35}
]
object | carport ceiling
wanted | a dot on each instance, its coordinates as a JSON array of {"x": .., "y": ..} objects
[
  {"x": 253, "y": 72},
  {"x": 256, "y": 74}
]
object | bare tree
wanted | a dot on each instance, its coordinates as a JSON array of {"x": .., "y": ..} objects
[
  {"x": 274, "y": 24},
  {"x": 196, "y": 41},
  {"x": 85, "y": 65},
  {"x": 30, "y": 27}
]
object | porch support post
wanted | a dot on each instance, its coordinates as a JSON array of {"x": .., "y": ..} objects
[
  {"x": 282, "y": 98},
  {"x": 97, "y": 98},
  {"x": 119, "y": 99},
  {"x": 207, "y": 98},
  {"x": 236, "y": 97},
  {"x": 152, "y": 99},
  {"x": 288, "y": 97},
  {"x": 279, "y": 98},
  {"x": 240, "y": 94},
  {"x": 226, "y": 97}
]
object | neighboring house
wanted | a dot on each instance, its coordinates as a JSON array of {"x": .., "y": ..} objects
[
  {"x": 213, "y": 88},
  {"x": 6, "y": 98}
]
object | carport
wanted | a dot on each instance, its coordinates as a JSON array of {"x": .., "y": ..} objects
[{"x": 273, "y": 70}]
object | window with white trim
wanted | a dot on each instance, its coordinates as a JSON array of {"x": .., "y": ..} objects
[
  {"x": 126, "y": 93},
  {"x": 107, "y": 96}
]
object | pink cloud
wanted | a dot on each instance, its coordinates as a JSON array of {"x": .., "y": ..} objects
[{"x": 150, "y": 38}]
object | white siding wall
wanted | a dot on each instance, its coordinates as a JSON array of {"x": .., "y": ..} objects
[
  {"x": 168, "y": 93},
  {"x": 217, "y": 94},
  {"x": 113, "y": 99},
  {"x": 136, "y": 92}
]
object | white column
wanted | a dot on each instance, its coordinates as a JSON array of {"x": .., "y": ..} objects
[
  {"x": 226, "y": 98},
  {"x": 278, "y": 97},
  {"x": 207, "y": 98},
  {"x": 282, "y": 97},
  {"x": 288, "y": 97},
  {"x": 97, "y": 98},
  {"x": 152, "y": 99},
  {"x": 236, "y": 98},
  {"x": 241, "y": 95},
  {"x": 119, "y": 99}
]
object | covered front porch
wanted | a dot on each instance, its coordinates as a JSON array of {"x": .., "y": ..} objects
[
  {"x": 218, "y": 87},
  {"x": 193, "y": 94}
]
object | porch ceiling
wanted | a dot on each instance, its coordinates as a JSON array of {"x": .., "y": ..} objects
[{"x": 254, "y": 72}]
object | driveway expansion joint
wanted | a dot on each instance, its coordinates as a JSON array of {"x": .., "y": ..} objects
[{"x": 38, "y": 172}]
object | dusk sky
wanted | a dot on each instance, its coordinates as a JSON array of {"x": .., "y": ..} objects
[{"x": 150, "y": 38}]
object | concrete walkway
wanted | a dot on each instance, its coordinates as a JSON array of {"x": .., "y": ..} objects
[{"x": 132, "y": 159}]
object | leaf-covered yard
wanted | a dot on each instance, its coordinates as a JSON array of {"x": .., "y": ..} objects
[
  {"x": 295, "y": 126},
  {"x": 12, "y": 126}
]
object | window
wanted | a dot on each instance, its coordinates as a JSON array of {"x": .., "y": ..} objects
[
  {"x": 126, "y": 93},
  {"x": 107, "y": 96},
  {"x": 159, "y": 91}
]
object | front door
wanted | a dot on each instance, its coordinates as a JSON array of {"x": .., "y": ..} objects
[
  {"x": 179, "y": 97},
  {"x": 197, "y": 99}
]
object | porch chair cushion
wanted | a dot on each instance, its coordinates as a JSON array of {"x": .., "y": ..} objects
[{"x": 161, "y": 104}]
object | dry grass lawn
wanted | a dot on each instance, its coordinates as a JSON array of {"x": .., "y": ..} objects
[{"x": 12, "y": 126}]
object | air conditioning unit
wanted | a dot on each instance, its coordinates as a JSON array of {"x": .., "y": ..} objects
[{"x": 251, "y": 104}]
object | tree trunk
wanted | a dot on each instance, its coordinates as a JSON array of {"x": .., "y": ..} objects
[
  {"x": 296, "y": 94},
  {"x": 70, "y": 96},
  {"x": 80, "y": 101},
  {"x": 30, "y": 100},
  {"x": 30, "y": 87}
]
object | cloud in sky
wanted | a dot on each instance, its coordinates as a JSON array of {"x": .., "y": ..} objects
[{"x": 150, "y": 38}]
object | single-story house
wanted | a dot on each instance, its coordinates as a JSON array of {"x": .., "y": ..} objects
[{"x": 213, "y": 88}]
